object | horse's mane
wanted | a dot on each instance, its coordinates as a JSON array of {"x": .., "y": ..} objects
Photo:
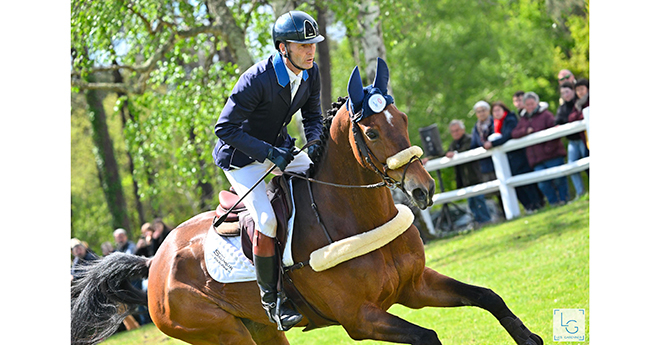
[{"x": 325, "y": 135}]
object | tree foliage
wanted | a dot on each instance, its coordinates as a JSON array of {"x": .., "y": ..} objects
[{"x": 180, "y": 59}]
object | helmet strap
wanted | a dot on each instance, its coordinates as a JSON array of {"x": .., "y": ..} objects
[{"x": 286, "y": 55}]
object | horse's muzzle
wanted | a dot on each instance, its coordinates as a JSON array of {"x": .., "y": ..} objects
[{"x": 422, "y": 196}]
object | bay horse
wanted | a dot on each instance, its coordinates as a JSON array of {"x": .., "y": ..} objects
[{"x": 186, "y": 303}]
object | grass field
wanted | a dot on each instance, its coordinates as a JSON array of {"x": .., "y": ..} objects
[{"x": 536, "y": 263}]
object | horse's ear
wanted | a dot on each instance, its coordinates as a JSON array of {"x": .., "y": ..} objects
[
  {"x": 382, "y": 76},
  {"x": 355, "y": 89}
]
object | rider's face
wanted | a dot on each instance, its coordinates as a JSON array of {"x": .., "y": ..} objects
[{"x": 301, "y": 54}]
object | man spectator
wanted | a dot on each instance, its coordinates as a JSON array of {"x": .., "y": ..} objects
[
  {"x": 546, "y": 154},
  {"x": 467, "y": 174},
  {"x": 82, "y": 256},
  {"x": 128, "y": 247},
  {"x": 122, "y": 242},
  {"x": 518, "y": 102},
  {"x": 565, "y": 76}
]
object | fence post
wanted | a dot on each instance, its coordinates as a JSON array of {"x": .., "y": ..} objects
[{"x": 508, "y": 193}]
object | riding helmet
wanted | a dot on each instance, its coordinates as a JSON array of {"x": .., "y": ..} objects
[{"x": 297, "y": 27}]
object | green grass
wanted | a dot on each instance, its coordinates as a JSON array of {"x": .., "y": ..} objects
[{"x": 535, "y": 263}]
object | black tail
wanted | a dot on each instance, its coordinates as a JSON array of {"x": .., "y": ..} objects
[{"x": 96, "y": 297}]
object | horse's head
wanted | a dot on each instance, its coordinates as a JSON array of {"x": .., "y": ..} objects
[{"x": 381, "y": 137}]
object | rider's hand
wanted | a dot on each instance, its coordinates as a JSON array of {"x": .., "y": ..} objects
[
  {"x": 314, "y": 151},
  {"x": 281, "y": 157}
]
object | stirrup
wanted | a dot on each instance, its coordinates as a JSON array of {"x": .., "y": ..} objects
[{"x": 274, "y": 310}]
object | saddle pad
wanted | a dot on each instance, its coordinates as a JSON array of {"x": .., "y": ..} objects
[
  {"x": 224, "y": 256},
  {"x": 224, "y": 259}
]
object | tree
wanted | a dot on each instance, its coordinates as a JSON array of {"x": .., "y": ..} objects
[{"x": 108, "y": 171}]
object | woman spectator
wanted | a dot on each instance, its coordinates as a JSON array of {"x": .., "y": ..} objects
[
  {"x": 546, "y": 154},
  {"x": 480, "y": 132},
  {"x": 504, "y": 121},
  {"x": 576, "y": 142},
  {"x": 161, "y": 230}
]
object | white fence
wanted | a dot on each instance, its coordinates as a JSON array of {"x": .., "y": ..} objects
[{"x": 506, "y": 183}]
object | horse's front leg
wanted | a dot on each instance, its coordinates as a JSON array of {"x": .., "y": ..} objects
[
  {"x": 436, "y": 290},
  {"x": 374, "y": 323}
]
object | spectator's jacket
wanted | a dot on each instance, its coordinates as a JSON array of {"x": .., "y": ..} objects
[
  {"x": 517, "y": 159},
  {"x": 467, "y": 174},
  {"x": 486, "y": 164},
  {"x": 563, "y": 114},
  {"x": 539, "y": 120},
  {"x": 128, "y": 248},
  {"x": 256, "y": 113}
]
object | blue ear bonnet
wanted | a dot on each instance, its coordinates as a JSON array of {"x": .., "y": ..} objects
[{"x": 366, "y": 101}]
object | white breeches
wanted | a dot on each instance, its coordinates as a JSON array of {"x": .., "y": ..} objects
[{"x": 257, "y": 201}]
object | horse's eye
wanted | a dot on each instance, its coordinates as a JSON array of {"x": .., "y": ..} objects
[{"x": 372, "y": 134}]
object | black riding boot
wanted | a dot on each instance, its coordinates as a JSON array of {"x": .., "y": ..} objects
[{"x": 267, "y": 275}]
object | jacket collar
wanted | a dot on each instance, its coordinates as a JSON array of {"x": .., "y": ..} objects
[{"x": 280, "y": 70}]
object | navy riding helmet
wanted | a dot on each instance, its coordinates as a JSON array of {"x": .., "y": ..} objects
[{"x": 297, "y": 27}]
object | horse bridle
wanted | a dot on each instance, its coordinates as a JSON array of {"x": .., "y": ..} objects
[{"x": 366, "y": 155}]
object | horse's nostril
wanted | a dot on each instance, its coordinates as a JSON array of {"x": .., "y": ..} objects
[{"x": 419, "y": 194}]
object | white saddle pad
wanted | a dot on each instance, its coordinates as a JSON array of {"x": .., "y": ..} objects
[{"x": 225, "y": 260}]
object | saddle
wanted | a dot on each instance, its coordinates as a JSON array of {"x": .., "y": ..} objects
[{"x": 240, "y": 223}]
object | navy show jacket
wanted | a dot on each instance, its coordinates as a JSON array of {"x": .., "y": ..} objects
[{"x": 258, "y": 110}]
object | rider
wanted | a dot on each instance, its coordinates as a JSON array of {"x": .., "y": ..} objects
[{"x": 253, "y": 136}]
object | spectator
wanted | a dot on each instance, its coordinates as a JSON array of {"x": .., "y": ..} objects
[
  {"x": 161, "y": 230},
  {"x": 82, "y": 256},
  {"x": 565, "y": 76},
  {"x": 107, "y": 248},
  {"x": 128, "y": 247},
  {"x": 504, "y": 121},
  {"x": 517, "y": 100},
  {"x": 546, "y": 154},
  {"x": 144, "y": 246},
  {"x": 482, "y": 129},
  {"x": 467, "y": 174},
  {"x": 123, "y": 244},
  {"x": 480, "y": 132},
  {"x": 576, "y": 142},
  {"x": 582, "y": 92}
]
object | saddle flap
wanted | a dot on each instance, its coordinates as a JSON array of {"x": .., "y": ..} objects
[{"x": 280, "y": 198}]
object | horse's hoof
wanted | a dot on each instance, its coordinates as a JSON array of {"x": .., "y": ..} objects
[
  {"x": 519, "y": 332},
  {"x": 537, "y": 339}
]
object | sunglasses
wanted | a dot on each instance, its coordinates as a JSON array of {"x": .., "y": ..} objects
[{"x": 564, "y": 78}]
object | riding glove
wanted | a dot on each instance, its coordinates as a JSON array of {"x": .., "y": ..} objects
[
  {"x": 280, "y": 156},
  {"x": 314, "y": 151}
]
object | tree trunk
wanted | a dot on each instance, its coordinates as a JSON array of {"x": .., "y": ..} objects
[
  {"x": 125, "y": 114},
  {"x": 282, "y": 6},
  {"x": 372, "y": 36},
  {"x": 231, "y": 33},
  {"x": 206, "y": 188},
  {"x": 105, "y": 160},
  {"x": 324, "y": 60}
]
